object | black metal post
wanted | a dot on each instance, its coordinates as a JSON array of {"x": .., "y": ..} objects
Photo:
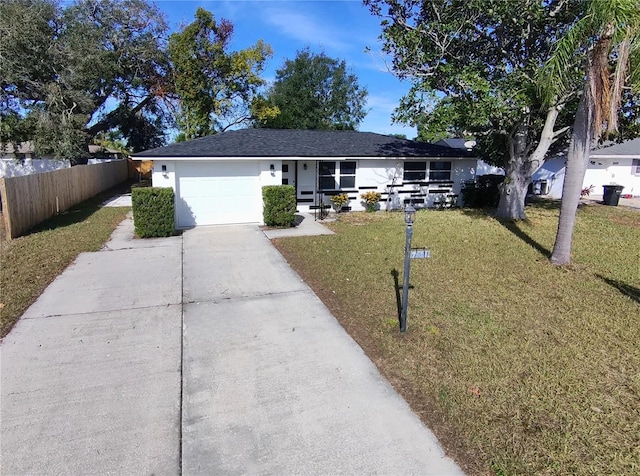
[{"x": 405, "y": 279}]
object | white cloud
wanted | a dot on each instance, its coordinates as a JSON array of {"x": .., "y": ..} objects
[
  {"x": 306, "y": 29},
  {"x": 382, "y": 103}
]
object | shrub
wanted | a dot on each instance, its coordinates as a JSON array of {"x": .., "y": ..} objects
[
  {"x": 371, "y": 200},
  {"x": 153, "y": 211},
  {"x": 279, "y": 205},
  {"x": 339, "y": 200}
]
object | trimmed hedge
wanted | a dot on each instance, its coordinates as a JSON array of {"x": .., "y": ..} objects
[
  {"x": 279, "y": 205},
  {"x": 153, "y": 211}
]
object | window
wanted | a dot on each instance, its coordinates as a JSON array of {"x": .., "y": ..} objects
[
  {"x": 347, "y": 174},
  {"x": 327, "y": 175},
  {"x": 337, "y": 175},
  {"x": 440, "y": 170},
  {"x": 285, "y": 168},
  {"x": 635, "y": 167},
  {"x": 415, "y": 171}
]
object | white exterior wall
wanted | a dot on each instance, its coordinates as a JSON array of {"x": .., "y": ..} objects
[
  {"x": 371, "y": 175},
  {"x": 609, "y": 171},
  {"x": 484, "y": 168},
  {"x": 378, "y": 174},
  {"x": 11, "y": 167},
  {"x": 168, "y": 177},
  {"x": 600, "y": 171}
]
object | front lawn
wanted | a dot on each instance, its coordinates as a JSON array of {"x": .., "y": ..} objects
[
  {"x": 518, "y": 366},
  {"x": 31, "y": 262}
]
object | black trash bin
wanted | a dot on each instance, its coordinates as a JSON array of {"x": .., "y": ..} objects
[{"x": 612, "y": 194}]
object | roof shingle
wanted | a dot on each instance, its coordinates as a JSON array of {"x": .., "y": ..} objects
[
  {"x": 300, "y": 143},
  {"x": 627, "y": 148}
]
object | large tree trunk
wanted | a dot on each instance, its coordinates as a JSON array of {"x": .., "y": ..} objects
[
  {"x": 577, "y": 159},
  {"x": 513, "y": 190},
  {"x": 522, "y": 165}
]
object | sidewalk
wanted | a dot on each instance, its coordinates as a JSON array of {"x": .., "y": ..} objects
[
  {"x": 200, "y": 354},
  {"x": 623, "y": 202}
]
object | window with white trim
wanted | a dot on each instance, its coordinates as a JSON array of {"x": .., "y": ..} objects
[{"x": 635, "y": 167}]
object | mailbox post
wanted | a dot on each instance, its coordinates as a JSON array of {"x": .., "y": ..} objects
[{"x": 409, "y": 219}]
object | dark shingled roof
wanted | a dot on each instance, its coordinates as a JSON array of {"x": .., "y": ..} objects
[{"x": 300, "y": 143}]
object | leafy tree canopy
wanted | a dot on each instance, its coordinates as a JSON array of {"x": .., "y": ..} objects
[
  {"x": 217, "y": 89},
  {"x": 314, "y": 91},
  {"x": 70, "y": 73},
  {"x": 474, "y": 67},
  {"x": 61, "y": 65},
  {"x": 473, "y": 63}
]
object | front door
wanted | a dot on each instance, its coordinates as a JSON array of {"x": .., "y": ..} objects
[
  {"x": 289, "y": 173},
  {"x": 306, "y": 181}
]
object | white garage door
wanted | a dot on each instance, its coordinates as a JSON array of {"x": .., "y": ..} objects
[{"x": 216, "y": 193}]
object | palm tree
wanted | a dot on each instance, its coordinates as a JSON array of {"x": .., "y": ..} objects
[{"x": 608, "y": 35}]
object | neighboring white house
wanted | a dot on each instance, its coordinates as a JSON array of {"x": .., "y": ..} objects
[
  {"x": 25, "y": 161},
  {"x": 218, "y": 179},
  {"x": 612, "y": 164}
]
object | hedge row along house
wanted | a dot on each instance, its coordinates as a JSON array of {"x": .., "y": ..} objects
[{"x": 218, "y": 179}]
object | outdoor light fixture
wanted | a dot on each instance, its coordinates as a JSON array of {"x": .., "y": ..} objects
[
  {"x": 409, "y": 215},
  {"x": 304, "y": 166},
  {"x": 272, "y": 168},
  {"x": 409, "y": 219},
  {"x": 164, "y": 168}
]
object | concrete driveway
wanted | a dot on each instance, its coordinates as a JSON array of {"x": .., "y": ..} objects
[{"x": 199, "y": 354}]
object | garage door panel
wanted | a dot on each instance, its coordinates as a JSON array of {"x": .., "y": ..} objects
[{"x": 212, "y": 193}]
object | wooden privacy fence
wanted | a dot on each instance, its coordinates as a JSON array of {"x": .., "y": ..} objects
[{"x": 31, "y": 199}]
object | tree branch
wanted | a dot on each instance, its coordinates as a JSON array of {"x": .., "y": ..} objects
[{"x": 112, "y": 120}]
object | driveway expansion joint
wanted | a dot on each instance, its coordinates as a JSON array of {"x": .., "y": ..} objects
[
  {"x": 246, "y": 297},
  {"x": 140, "y": 308}
]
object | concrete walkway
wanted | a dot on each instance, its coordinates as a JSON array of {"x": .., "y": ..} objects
[{"x": 197, "y": 355}]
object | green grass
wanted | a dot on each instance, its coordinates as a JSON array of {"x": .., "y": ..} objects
[
  {"x": 519, "y": 367},
  {"x": 31, "y": 262}
]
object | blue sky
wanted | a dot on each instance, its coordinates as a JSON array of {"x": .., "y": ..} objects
[{"x": 341, "y": 29}]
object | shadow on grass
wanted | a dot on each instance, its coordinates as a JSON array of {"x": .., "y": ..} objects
[
  {"x": 515, "y": 229},
  {"x": 543, "y": 203},
  {"x": 397, "y": 287},
  {"x": 624, "y": 288},
  {"x": 512, "y": 226},
  {"x": 81, "y": 211},
  {"x": 478, "y": 212},
  {"x": 537, "y": 203}
]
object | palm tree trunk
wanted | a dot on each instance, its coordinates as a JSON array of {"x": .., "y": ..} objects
[{"x": 577, "y": 159}]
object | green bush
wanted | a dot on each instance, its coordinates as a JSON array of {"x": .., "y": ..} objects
[
  {"x": 153, "y": 211},
  {"x": 279, "y": 205}
]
